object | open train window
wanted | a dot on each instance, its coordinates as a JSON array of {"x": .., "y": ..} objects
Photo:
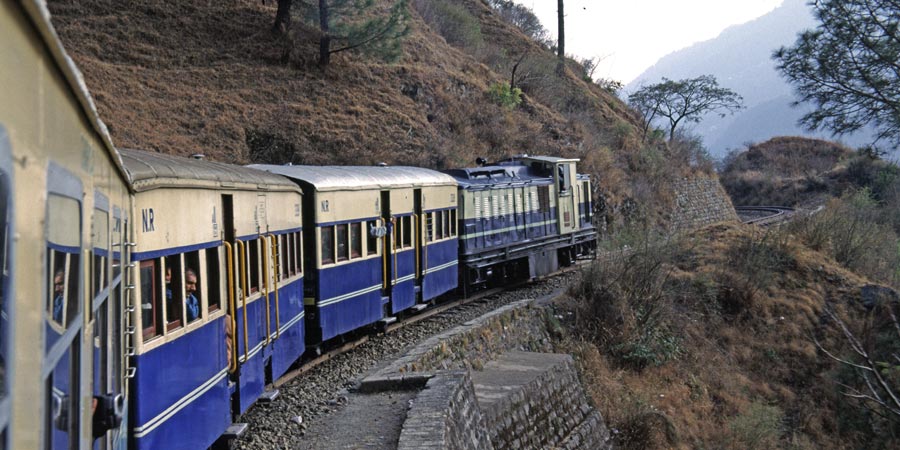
[
  {"x": 100, "y": 249},
  {"x": 371, "y": 239},
  {"x": 439, "y": 224},
  {"x": 151, "y": 299},
  {"x": 407, "y": 231},
  {"x": 297, "y": 253},
  {"x": 63, "y": 252},
  {"x": 452, "y": 222},
  {"x": 193, "y": 301},
  {"x": 327, "y": 245},
  {"x": 213, "y": 281},
  {"x": 174, "y": 295},
  {"x": 564, "y": 179},
  {"x": 343, "y": 248},
  {"x": 355, "y": 240},
  {"x": 284, "y": 255},
  {"x": 253, "y": 264},
  {"x": 445, "y": 218}
]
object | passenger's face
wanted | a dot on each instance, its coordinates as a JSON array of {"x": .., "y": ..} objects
[
  {"x": 190, "y": 284},
  {"x": 168, "y": 276},
  {"x": 58, "y": 284}
]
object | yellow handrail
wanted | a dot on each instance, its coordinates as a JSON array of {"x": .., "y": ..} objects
[
  {"x": 242, "y": 254},
  {"x": 418, "y": 242},
  {"x": 264, "y": 252},
  {"x": 277, "y": 266},
  {"x": 232, "y": 357},
  {"x": 425, "y": 251},
  {"x": 384, "y": 261},
  {"x": 394, "y": 239}
]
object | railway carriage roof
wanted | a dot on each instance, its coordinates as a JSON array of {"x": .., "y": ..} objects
[
  {"x": 155, "y": 170},
  {"x": 348, "y": 178},
  {"x": 513, "y": 172}
]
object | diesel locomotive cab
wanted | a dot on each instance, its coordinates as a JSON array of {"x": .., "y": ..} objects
[{"x": 522, "y": 218}]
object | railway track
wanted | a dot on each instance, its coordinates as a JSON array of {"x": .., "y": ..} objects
[
  {"x": 426, "y": 313},
  {"x": 764, "y": 215},
  {"x": 309, "y": 392}
]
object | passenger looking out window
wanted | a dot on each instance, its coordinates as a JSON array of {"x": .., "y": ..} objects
[
  {"x": 190, "y": 300},
  {"x": 58, "y": 290}
]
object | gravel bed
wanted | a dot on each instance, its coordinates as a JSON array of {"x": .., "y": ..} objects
[{"x": 310, "y": 397}]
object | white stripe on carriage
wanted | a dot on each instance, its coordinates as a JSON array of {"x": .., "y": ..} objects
[
  {"x": 350, "y": 295},
  {"x": 403, "y": 279},
  {"x": 529, "y": 225},
  {"x": 253, "y": 352},
  {"x": 441, "y": 267},
  {"x": 162, "y": 417},
  {"x": 291, "y": 322}
]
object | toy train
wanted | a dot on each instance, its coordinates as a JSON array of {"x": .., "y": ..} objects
[{"x": 171, "y": 291}]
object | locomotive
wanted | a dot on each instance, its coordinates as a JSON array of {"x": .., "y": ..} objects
[{"x": 173, "y": 291}]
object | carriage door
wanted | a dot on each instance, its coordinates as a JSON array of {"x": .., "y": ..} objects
[
  {"x": 568, "y": 217},
  {"x": 419, "y": 243},
  {"x": 232, "y": 266},
  {"x": 387, "y": 249},
  {"x": 106, "y": 315}
]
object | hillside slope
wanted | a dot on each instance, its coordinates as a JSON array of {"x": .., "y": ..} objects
[
  {"x": 184, "y": 77},
  {"x": 711, "y": 342}
]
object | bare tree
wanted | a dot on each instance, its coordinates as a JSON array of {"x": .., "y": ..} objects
[
  {"x": 874, "y": 357},
  {"x": 683, "y": 101},
  {"x": 561, "y": 38}
]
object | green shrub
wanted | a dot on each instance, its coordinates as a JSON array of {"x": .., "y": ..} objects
[
  {"x": 856, "y": 231},
  {"x": 452, "y": 21},
  {"x": 757, "y": 428},
  {"x": 505, "y": 96},
  {"x": 625, "y": 303}
]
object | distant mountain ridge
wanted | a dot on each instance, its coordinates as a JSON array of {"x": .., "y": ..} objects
[{"x": 740, "y": 58}]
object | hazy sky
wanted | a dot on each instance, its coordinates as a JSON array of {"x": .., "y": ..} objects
[{"x": 631, "y": 35}]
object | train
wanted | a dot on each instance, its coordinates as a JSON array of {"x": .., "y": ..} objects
[{"x": 173, "y": 291}]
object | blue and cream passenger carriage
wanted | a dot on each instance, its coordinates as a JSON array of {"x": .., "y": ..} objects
[
  {"x": 235, "y": 233},
  {"x": 378, "y": 241}
]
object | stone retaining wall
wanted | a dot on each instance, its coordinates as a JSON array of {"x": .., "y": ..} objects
[
  {"x": 517, "y": 326},
  {"x": 550, "y": 411},
  {"x": 700, "y": 201},
  {"x": 445, "y": 416}
]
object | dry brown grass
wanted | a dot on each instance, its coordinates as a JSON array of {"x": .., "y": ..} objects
[
  {"x": 746, "y": 379},
  {"x": 182, "y": 77}
]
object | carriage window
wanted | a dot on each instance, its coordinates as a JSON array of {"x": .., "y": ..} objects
[
  {"x": 439, "y": 224},
  {"x": 327, "y": 245},
  {"x": 407, "y": 231},
  {"x": 63, "y": 252},
  {"x": 296, "y": 252},
  {"x": 446, "y": 216},
  {"x": 371, "y": 239},
  {"x": 213, "y": 282},
  {"x": 192, "y": 292},
  {"x": 284, "y": 255},
  {"x": 355, "y": 240},
  {"x": 5, "y": 275},
  {"x": 100, "y": 238},
  {"x": 452, "y": 222},
  {"x": 342, "y": 247},
  {"x": 151, "y": 295},
  {"x": 174, "y": 295},
  {"x": 253, "y": 264},
  {"x": 429, "y": 224}
]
